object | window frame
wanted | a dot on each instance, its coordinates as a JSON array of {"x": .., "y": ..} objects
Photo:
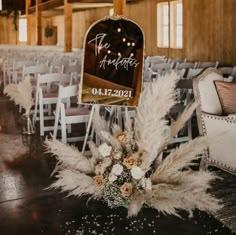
[
  {"x": 172, "y": 24},
  {"x": 160, "y": 25}
]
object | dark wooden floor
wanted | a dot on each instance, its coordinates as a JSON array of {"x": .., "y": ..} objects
[{"x": 26, "y": 208}]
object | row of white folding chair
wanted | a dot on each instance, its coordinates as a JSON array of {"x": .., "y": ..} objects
[
  {"x": 186, "y": 65},
  {"x": 66, "y": 115},
  {"x": 17, "y": 70}
]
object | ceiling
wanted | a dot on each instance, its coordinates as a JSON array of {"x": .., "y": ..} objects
[{"x": 58, "y": 4}]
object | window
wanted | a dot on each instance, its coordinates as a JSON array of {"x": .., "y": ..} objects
[
  {"x": 163, "y": 24},
  {"x": 22, "y": 30},
  {"x": 176, "y": 8},
  {"x": 170, "y": 24}
]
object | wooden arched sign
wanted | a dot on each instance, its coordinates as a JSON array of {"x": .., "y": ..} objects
[{"x": 113, "y": 63}]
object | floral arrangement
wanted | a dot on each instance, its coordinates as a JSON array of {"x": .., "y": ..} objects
[{"x": 128, "y": 169}]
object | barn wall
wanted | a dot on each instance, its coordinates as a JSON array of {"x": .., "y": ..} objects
[{"x": 209, "y": 29}]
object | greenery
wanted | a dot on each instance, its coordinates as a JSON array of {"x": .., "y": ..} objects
[{"x": 14, "y": 13}]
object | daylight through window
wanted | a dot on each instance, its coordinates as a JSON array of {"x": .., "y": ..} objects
[{"x": 22, "y": 30}]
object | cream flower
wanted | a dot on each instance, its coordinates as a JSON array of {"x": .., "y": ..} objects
[
  {"x": 112, "y": 177},
  {"x": 126, "y": 189},
  {"x": 130, "y": 161},
  {"x": 105, "y": 150},
  {"x": 117, "y": 169},
  {"x": 121, "y": 137},
  {"x": 137, "y": 173}
]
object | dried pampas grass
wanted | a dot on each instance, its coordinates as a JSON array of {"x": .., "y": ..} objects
[
  {"x": 151, "y": 129},
  {"x": 21, "y": 94},
  {"x": 74, "y": 182},
  {"x": 173, "y": 184}
]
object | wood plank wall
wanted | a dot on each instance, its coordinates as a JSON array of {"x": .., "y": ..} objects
[
  {"x": 209, "y": 29},
  {"x": 8, "y": 34},
  {"x": 81, "y": 22}
]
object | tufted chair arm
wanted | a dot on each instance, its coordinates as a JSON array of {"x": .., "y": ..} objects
[{"x": 222, "y": 154}]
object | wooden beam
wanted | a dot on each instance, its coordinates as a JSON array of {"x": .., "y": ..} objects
[
  {"x": 47, "y": 6},
  {"x": 38, "y": 23},
  {"x": 28, "y": 18},
  {"x": 119, "y": 7},
  {"x": 89, "y": 1},
  {"x": 68, "y": 26}
]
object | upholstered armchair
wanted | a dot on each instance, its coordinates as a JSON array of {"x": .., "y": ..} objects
[{"x": 214, "y": 121}]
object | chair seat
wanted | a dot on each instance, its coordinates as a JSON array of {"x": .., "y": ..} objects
[
  {"x": 77, "y": 111},
  {"x": 50, "y": 95}
]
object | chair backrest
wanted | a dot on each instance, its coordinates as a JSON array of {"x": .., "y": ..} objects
[
  {"x": 207, "y": 64},
  {"x": 193, "y": 73},
  {"x": 186, "y": 65},
  {"x": 35, "y": 69},
  {"x": 72, "y": 68},
  {"x": 19, "y": 64},
  {"x": 161, "y": 66},
  {"x": 205, "y": 91},
  {"x": 226, "y": 71},
  {"x": 181, "y": 72},
  {"x": 53, "y": 77},
  {"x": 68, "y": 91}
]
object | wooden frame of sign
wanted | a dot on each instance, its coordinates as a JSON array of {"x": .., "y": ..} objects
[{"x": 112, "y": 68}]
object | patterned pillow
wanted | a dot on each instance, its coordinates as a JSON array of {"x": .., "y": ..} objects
[{"x": 227, "y": 95}]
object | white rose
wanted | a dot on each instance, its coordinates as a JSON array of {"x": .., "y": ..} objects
[
  {"x": 105, "y": 150},
  {"x": 99, "y": 169},
  {"x": 112, "y": 177},
  {"x": 137, "y": 173},
  {"x": 117, "y": 169}
]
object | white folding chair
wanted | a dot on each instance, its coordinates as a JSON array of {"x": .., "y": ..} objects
[
  {"x": 47, "y": 94},
  {"x": 157, "y": 70},
  {"x": 69, "y": 115}
]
